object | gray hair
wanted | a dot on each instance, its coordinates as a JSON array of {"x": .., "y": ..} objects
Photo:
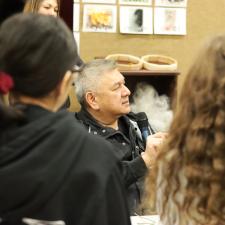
[{"x": 89, "y": 78}]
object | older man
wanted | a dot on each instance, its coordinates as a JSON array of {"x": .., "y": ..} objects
[{"x": 105, "y": 111}]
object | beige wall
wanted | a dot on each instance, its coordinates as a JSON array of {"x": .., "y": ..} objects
[{"x": 204, "y": 18}]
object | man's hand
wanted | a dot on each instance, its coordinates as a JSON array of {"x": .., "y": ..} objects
[{"x": 151, "y": 150}]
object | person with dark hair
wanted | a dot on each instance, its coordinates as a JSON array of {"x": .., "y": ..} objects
[
  {"x": 51, "y": 170},
  {"x": 191, "y": 165}
]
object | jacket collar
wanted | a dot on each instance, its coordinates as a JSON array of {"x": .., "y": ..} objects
[
  {"x": 86, "y": 118},
  {"x": 90, "y": 122}
]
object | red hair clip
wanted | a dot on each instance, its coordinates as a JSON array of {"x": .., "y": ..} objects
[{"x": 6, "y": 83}]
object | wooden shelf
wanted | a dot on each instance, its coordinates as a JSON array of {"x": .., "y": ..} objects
[{"x": 163, "y": 81}]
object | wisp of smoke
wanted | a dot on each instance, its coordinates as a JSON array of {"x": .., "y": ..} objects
[{"x": 146, "y": 99}]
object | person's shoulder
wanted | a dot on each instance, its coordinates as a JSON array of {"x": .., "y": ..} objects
[
  {"x": 65, "y": 119},
  {"x": 85, "y": 140},
  {"x": 92, "y": 152},
  {"x": 64, "y": 116},
  {"x": 78, "y": 137},
  {"x": 83, "y": 116},
  {"x": 77, "y": 116},
  {"x": 100, "y": 147},
  {"x": 95, "y": 153}
]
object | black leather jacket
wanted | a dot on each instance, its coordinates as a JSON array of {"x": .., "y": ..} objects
[{"x": 127, "y": 145}]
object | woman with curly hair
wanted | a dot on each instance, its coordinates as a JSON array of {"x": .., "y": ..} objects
[{"x": 190, "y": 180}]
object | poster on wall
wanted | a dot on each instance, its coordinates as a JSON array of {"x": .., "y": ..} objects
[
  {"x": 99, "y": 18},
  {"x": 171, "y": 21},
  {"x": 135, "y": 2},
  {"x": 77, "y": 38},
  {"x": 76, "y": 16},
  {"x": 136, "y": 20},
  {"x": 171, "y": 3},
  {"x": 100, "y": 1}
]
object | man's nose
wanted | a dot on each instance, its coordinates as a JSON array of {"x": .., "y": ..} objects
[{"x": 126, "y": 91}]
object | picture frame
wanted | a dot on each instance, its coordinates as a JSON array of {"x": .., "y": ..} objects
[
  {"x": 100, "y": 1},
  {"x": 136, "y": 2},
  {"x": 136, "y": 20},
  {"x": 170, "y": 21},
  {"x": 99, "y": 18},
  {"x": 171, "y": 3}
]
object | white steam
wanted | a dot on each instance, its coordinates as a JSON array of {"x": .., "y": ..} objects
[{"x": 146, "y": 99}]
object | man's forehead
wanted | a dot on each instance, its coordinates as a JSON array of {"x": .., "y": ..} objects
[{"x": 113, "y": 76}]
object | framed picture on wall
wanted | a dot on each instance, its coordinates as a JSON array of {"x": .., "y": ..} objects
[
  {"x": 76, "y": 16},
  {"x": 99, "y": 18},
  {"x": 135, "y": 2},
  {"x": 136, "y": 20},
  {"x": 100, "y": 1},
  {"x": 171, "y": 3},
  {"x": 171, "y": 21}
]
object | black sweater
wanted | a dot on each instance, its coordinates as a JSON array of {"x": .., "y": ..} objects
[{"x": 53, "y": 170}]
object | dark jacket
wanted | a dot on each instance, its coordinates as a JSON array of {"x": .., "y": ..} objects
[
  {"x": 127, "y": 146},
  {"x": 51, "y": 169}
]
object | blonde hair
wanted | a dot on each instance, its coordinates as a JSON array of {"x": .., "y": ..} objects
[
  {"x": 33, "y": 6},
  {"x": 190, "y": 181}
]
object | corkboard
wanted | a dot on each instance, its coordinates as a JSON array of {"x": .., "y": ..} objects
[{"x": 204, "y": 19}]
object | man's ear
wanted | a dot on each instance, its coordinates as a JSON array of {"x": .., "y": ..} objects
[{"x": 91, "y": 100}]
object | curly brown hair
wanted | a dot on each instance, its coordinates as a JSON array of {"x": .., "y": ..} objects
[{"x": 190, "y": 180}]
